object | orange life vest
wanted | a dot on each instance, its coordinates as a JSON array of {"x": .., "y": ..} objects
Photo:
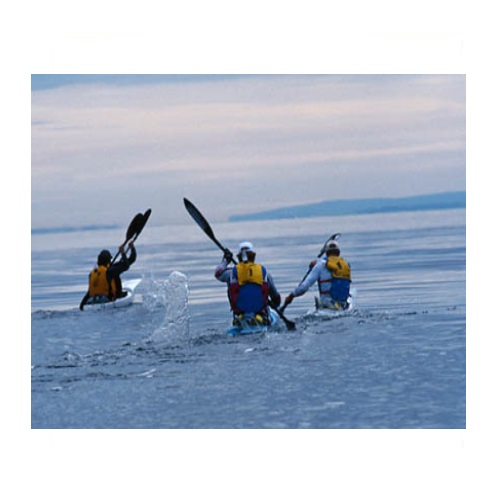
[{"x": 98, "y": 283}]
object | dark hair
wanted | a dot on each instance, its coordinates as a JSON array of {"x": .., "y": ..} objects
[
  {"x": 333, "y": 251},
  {"x": 251, "y": 256},
  {"x": 104, "y": 258}
]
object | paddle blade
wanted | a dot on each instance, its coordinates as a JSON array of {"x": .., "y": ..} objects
[
  {"x": 290, "y": 325},
  {"x": 147, "y": 213},
  {"x": 142, "y": 223},
  {"x": 135, "y": 227},
  {"x": 199, "y": 219}
]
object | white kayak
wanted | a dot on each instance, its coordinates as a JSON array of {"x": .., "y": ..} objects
[
  {"x": 250, "y": 326},
  {"x": 128, "y": 286},
  {"x": 330, "y": 312}
]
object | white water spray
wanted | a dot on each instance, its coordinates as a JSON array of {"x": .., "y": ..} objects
[{"x": 176, "y": 321}]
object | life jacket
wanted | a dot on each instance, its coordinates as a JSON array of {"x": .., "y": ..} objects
[
  {"x": 249, "y": 288},
  {"x": 99, "y": 285},
  {"x": 339, "y": 267},
  {"x": 340, "y": 282}
]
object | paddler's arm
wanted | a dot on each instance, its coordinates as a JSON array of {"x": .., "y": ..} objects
[
  {"x": 133, "y": 253},
  {"x": 302, "y": 288},
  {"x": 124, "y": 263},
  {"x": 222, "y": 272},
  {"x": 275, "y": 297},
  {"x": 115, "y": 270}
]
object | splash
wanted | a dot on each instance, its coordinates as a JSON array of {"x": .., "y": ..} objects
[{"x": 172, "y": 294}]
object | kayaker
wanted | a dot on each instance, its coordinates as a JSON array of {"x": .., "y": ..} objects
[
  {"x": 333, "y": 275},
  {"x": 250, "y": 287},
  {"x": 105, "y": 283}
]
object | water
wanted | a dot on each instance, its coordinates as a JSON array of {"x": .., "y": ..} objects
[{"x": 396, "y": 362}]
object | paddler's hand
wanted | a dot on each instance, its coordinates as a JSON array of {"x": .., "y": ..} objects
[
  {"x": 288, "y": 300},
  {"x": 228, "y": 255},
  {"x": 275, "y": 301}
]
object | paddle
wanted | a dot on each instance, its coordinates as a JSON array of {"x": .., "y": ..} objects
[
  {"x": 134, "y": 229},
  {"x": 140, "y": 226},
  {"x": 322, "y": 251},
  {"x": 134, "y": 226},
  {"x": 203, "y": 223},
  {"x": 323, "y": 248},
  {"x": 205, "y": 226}
]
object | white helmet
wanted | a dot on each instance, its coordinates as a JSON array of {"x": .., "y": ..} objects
[
  {"x": 245, "y": 245},
  {"x": 243, "y": 248},
  {"x": 332, "y": 245}
]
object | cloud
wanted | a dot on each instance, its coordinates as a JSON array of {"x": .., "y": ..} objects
[{"x": 243, "y": 130}]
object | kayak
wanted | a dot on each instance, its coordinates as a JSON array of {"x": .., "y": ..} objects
[
  {"x": 249, "y": 326},
  {"x": 328, "y": 312},
  {"x": 129, "y": 287}
]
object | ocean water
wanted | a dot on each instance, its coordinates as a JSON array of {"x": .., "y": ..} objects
[{"x": 397, "y": 361}]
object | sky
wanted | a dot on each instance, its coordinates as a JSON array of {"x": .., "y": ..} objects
[{"x": 105, "y": 146}]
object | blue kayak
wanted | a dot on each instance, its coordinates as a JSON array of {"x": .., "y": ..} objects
[{"x": 248, "y": 325}]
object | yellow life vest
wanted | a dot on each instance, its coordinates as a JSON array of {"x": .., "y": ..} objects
[
  {"x": 249, "y": 272},
  {"x": 339, "y": 267},
  {"x": 98, "y": 283}
]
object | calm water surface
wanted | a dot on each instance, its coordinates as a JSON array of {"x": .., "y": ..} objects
[{"x": 396, "y": 361}]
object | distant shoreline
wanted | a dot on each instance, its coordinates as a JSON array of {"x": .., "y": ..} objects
[{"x": 440, "y": 201}]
